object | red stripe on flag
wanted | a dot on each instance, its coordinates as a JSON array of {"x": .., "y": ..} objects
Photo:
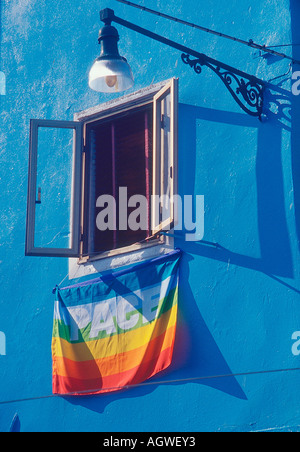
[
  {"x": 110, "y": 365},
  {"x": 73, "y": 386}
]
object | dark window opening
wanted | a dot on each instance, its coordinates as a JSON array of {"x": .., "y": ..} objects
[{"x": 120, "y": 155}]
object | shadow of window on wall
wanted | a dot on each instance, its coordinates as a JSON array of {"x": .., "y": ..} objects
[
  {"x": 241, "y": 150},
  {"x": 201, "y": 172}
]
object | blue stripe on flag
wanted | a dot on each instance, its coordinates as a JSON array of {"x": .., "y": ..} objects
[{"x": 139, "y": 276}]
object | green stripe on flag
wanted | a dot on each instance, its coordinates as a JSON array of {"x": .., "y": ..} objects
[{"x": 63, "y": 331}]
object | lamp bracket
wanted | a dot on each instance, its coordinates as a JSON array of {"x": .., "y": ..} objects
[
  {"x": 107, "y": 16},
  {"x": 246, "y": 90}
]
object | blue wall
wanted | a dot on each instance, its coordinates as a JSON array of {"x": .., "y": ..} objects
[{"x": 239, "y": 303}]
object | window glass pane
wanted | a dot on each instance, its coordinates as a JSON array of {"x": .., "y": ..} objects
[{"x": 54, "y": 188}]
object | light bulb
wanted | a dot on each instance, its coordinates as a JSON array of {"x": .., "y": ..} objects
[
  {"x": 109, "y": 76},
  {"x": 111, "y": 80}
]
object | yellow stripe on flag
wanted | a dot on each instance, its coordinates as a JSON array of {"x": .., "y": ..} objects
[
  {"x": 123, "y": 362},
  {"x": 111, "y": 346}
]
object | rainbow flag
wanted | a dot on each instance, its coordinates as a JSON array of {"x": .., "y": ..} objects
[{"x": 117, "y": 330}]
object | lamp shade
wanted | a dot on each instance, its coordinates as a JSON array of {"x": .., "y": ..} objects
[
  {"x": 110, "y": 75},
  {"x": 110, "y": 72}
]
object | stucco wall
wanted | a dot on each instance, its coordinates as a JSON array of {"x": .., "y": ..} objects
[{"x": 239, "y": 303}]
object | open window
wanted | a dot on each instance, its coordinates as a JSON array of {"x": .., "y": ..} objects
[
  {"x": 164, "y": 157},
  {"x": 54, "y": 189},
  {"x": 104, "y": 181}
]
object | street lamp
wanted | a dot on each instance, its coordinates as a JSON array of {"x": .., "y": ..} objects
[{"x": 111, "y": 72}]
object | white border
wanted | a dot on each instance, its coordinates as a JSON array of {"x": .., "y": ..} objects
[{"x": 80, "y": 269}]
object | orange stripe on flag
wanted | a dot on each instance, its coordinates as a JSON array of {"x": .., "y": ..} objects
[
  {"x": 146, "y": 370},
  {"x": 119, "y": 363}
]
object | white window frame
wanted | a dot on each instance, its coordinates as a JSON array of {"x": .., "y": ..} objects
[
  {"x": 160, "y": 141},
  {"x": 75, "y": 207},
  {"x": 155, "y": 94},
  {"x": 162, "y": 245}
]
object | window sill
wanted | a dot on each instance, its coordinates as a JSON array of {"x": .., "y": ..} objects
[{"x": 119, "y": 258}]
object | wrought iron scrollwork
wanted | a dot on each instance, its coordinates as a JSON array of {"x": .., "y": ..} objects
[{"x": 248, "y": 93}]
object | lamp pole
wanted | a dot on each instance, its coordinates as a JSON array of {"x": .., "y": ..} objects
[{"x": 247, "y": 90}]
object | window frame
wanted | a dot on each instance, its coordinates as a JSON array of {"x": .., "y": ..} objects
[
  {"x": 159, "y": 172},
  {"x": 30, "y": 248},
  {"x": 152, "y": 94}
]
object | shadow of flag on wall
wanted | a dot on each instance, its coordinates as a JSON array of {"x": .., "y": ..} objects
[{"x": 117, "y": 330}]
